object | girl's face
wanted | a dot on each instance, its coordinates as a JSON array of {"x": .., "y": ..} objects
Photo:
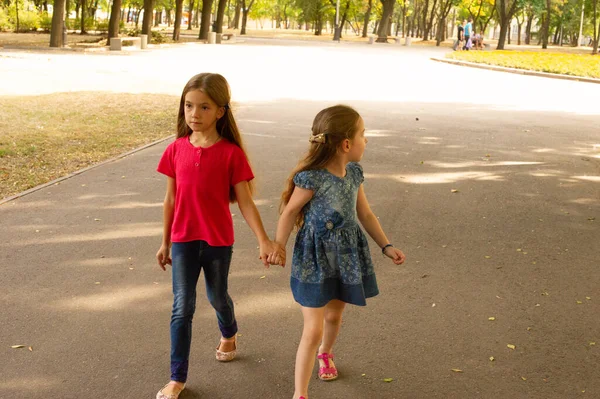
[
  {"x": 201, "y": 112},
  {"x": 358, "y": 143}
]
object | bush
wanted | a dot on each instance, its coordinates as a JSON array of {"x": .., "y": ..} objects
[
  {"x": 134, "y": 32},
  {"x": 158, "y": 37},
  {"x": 28, "y": 20},
  {"x": 5, "y": 24},
  {"x": 46, "y": 22}
]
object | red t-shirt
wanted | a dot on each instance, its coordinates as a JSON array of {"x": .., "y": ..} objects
[{"x": 203, "y": 177}]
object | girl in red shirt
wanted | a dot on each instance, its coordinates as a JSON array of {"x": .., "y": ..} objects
[{"x": 206, "y": 169}]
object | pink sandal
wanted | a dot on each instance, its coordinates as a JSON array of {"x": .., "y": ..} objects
[{"x": 327, "y": 369}]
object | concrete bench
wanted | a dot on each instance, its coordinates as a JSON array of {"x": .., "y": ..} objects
[
  {"x": 116, "y": 43},
  {"x": 229, "y": 37}
]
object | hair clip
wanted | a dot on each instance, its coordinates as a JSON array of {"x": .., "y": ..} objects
[
  {"x": 226, "y": 106},
  {"x": 318, "y": 138}
]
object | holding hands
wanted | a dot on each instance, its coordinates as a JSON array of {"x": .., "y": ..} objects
[{"x": 272, "y": 253}]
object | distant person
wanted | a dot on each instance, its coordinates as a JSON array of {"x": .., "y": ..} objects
[
  {"x": 460, "y": 36},
  {"x": 468, "y": 33}
]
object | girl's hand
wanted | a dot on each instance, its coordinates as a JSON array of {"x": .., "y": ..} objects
[
  {"x": 395, "y": 254},
  {"x": 270, "y": 248},
  {"x": 277, "y": 257},
  {"x": 163, "y": 256}
]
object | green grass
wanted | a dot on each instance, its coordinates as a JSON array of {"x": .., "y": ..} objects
[
  {"x": 566, "y": 64},
  {"x": 45, "y": 137}
]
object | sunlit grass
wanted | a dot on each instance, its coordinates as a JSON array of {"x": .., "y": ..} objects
[{"x": 567, "y": 64}]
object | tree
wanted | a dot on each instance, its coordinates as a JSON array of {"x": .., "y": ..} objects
[
  {"x": 506, "y": 10},
  {"x": 147, "y": 22},
  {"x": 205, "y": 22},
  {"x": 190, "y": 11},
  {"x": 382, "y": 30},
  {"x": 58, "y": 15},
  {"x": 220, "y": 15},
  {"x": 367, "y": 18},
  {"x": 115, "y": 19},
  {"x": 546, "y": 24},
  {"x": 178, "y": 15},
  {"x": 596, "y": 28},
  {"x": 245, "y": 11}
]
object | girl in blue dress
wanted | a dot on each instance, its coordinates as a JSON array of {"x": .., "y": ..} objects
[{"x": 331, "y": 264}]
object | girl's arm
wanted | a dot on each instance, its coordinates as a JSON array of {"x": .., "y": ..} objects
[
  {"x": 371, "y": 224},
  {"x": 299, "y": 198},
  {"x": 168, "y": 210},
  {"x": 250, "y": 213}
]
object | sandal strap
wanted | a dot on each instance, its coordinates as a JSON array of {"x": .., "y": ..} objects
[{"x": 328, "y": 370}]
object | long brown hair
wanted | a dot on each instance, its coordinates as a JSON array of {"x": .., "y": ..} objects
[
  {"x": 330, "y": 128},
  {"x": 216, "y": 87}
]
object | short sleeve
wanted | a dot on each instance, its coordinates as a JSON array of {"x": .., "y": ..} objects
[
  {"x": 357, "y": 171},
  {"x": 306, "y": 179},
  {"x": 240, "y": 167},
  {"x": 166, "y": 165}
]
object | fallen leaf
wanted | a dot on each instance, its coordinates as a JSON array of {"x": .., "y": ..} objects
[
  {"x": 591, "y": 219},
  {"x": 433, "y": 305},
  {"x": 444, "y": 246},
  {"x": 592, "y": 343},
  {"x": 537, "y": 304},
  {"x": 492, "y": 358},
  {"x": 97, "y": 282},
  {"x": 155, "y": 283},
  {"x": 131, "y": 268},
  {"x": 487, "y": 155},
  {"x": 97, "y": 220},
  {"x": 545, "y": 293},
  {"x": 83, "y": 185},
  {"x": 528, "y": 328},
  {"x": 487, "y": 257},
  {"x": 17, "y": 346},
  {"x": 454, "y": 190},
  {"x": 491, "y": 318},
  {"x": 588, "y": 298},
  {"x": 122, "y": 177},
  {"x": 425, "y": 276},
  {"x": 457, "y": 370},
  {"x": 37, "y": 231},
  {"x": 524, "y": 379},
  {"x": 519, "y": 250},
  {"x": 263, "y": 277},
  {"x": 30, "y": 349},
  {"x": 388, "y": 379},
  {"x": 579, "y": 302},
  {"x": 510, "y": 346},
  {"x": 362, "y": 375}
]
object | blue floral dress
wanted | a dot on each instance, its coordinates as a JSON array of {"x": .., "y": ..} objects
[{"x": 331, "y": 256}]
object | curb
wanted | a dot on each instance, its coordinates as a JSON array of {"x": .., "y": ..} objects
[
  {"x": 80, "y": 171},
  {"x": 517, "y": 71}
]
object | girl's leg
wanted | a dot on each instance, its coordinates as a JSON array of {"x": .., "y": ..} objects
[
  {"x": 216, "y": 262},
  {"x": 331, "y": 328},
  {"x": 185, "y": 270},
  {"x": 305, "y": 357}
]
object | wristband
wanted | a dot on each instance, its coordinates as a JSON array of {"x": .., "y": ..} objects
[{"x": 383, "y": 249}]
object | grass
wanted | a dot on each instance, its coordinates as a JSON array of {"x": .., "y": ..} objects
[
  {"x": 45, "y": 137},
  {"x": 584, "y": 65}
]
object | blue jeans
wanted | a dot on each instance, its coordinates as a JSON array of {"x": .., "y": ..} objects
[{"x": 188, "y": 259}]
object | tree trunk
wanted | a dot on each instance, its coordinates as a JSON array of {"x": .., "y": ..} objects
[
  {"x": 424, "y": 20},
  {"x": 220, "y": 15},
  {"x": 376, "y": 27},
  {"x": 236, "y": 16},
  {"x": 596, "y": 28},
  {"x": 245, "y": 12},
  {"x": 83, "y": 5},
  {"x": 58, "y": 15},
  {"x": 388, "y": 11},
  {"x": 205, "y": 21},
  {"x": 528, "y": 28},
  {"x": 509, "y": 33},
  {"x": 190, "y": 11},
  {"x": 147, "y": 22},
  {"x": 115, "y": 19},
  {"x": 519, "y": 34},
  {"x": 502, "y": 38},
  {"x": 178, "y": 16},
  {"x": 546, "y": 28}
]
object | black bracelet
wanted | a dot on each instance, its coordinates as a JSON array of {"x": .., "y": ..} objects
[{"x": 383, "y": 249}]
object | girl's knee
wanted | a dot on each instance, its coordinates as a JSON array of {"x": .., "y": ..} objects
[
  {"x": 312, "y": 334},
  {"x": 333, "y": 317}
]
